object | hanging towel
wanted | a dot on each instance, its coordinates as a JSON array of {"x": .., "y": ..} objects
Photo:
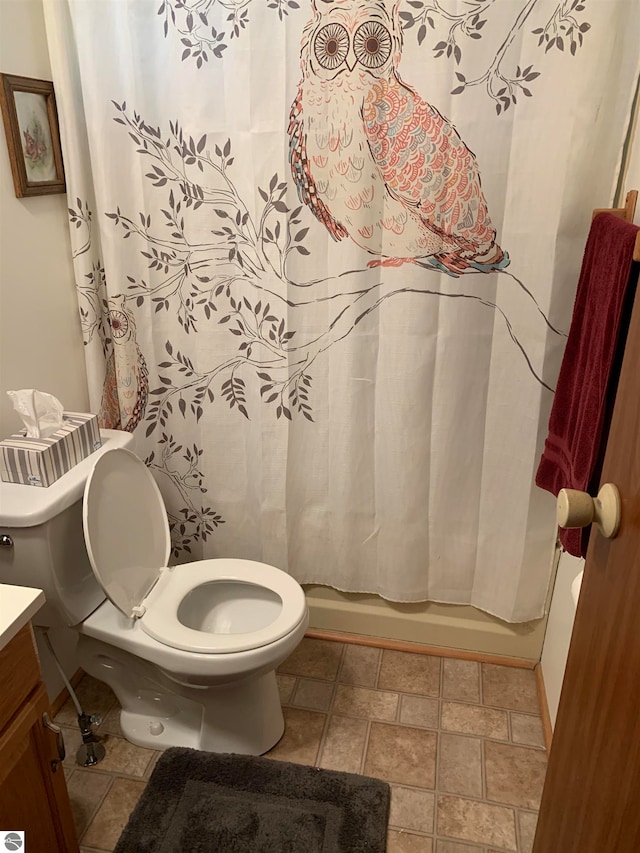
[{"x": 578, "y": 424}]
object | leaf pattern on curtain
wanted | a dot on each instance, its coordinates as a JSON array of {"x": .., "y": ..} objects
[
  {"x": 561, "y": 25},
  {"x": 239, "y": 278},
  {"x": 312, "y": 411},
  {"x": 234, "y": 276}
]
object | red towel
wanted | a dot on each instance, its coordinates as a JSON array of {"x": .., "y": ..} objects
[{"x": 578, "y": 424}]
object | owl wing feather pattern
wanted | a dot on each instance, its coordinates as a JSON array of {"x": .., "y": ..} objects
[
  {"x": 301, "y": 174},
  {"x": 143, "y": 394},
  {"x": 109, "y": 417},
  {"x": 427, "y": 167}
]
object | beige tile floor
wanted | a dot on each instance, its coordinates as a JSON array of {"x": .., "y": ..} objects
[{"x": 459, "y": 742}]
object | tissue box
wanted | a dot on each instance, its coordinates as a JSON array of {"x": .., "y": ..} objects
[{"x": 41, "y": 461}]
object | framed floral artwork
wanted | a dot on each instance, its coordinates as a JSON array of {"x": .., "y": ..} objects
[{"x": 33, "y": 138}]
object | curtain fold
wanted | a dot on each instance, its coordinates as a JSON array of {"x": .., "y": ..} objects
[{"x": 325, "y": 256}]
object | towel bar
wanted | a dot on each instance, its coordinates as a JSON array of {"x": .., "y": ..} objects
[{"x": 627, "y": 213}]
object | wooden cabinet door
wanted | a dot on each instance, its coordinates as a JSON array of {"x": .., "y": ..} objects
[
  {"x": 33, "y": 797},
  {"x": 591, "y": 798}
]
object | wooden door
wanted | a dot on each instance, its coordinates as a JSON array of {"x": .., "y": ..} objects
[
  {"x": 33, "y": 796},
  {"x": 591, "y": 799}
]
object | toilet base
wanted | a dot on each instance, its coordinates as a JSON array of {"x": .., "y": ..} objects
[
  {"x": 246, "y": 718},
  {"x": 243, "y": 716}
]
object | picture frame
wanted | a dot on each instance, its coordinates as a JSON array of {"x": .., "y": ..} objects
[{"x": 33, "y": 136}]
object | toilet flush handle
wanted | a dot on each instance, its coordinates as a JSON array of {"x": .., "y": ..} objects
[
  {"x": 579, "y": 509},
  {"x": 5, "y": 541}
]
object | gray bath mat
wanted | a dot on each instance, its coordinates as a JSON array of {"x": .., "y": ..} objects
[{"x": 202, "y": 802}]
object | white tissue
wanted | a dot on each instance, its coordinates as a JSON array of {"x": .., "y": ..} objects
[{"x": 41, "y": 413}]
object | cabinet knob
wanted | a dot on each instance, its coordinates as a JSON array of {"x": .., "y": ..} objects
[{"x": 579, "y": 509}]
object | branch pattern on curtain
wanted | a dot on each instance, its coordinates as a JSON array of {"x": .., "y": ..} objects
[
  {"x": 564, "y": 27},
  {"x": 352, "y": 308}
]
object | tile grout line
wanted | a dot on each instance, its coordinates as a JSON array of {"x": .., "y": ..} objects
[
  {"x": 336, "y": 681},
  {"x": 292, "y": 698},
  {"x": 518, "y": 834},
  {"x": 436, "y": 780},
  {"x": 483, "y": 768},
  {"x": 97, "y": 808},
  {"x": 343, "y": 655},
  {"x": 289, "y": 702},
  {"x": 322, "y": 741},
  {"x": 365, "y": 748},
  {"x": 329, "y": 712},
  {"x": 378, "y": 669}
]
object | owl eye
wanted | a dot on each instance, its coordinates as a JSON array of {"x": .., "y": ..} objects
[
  {"x": 372, "y": 44},
  {"x": 331, "y": 46},
  {"x": 119, "y": 324}
]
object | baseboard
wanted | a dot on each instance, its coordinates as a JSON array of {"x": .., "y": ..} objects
[
  {"x": 62, "y": 697},
  {"x": 440, "y": 626},
  {"x": 547, "y": 728},
  {"x": 418, "y": 648}
]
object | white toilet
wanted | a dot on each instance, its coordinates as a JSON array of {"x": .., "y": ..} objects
[{"x": 190, "y": 651}]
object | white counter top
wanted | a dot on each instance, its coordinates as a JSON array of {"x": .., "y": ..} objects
[{"x": 17, "y": 606}]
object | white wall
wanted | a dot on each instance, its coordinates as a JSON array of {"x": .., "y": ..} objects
[{"x": 40, "y": 340}]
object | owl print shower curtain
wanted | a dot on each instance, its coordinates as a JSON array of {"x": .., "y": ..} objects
[{"x": 326, "y": 253}]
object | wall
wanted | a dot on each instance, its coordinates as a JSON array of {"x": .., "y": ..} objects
[{"x": 40, "y": 340}]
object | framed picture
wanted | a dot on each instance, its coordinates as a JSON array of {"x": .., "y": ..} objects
[{"x": 33, "y": 138}]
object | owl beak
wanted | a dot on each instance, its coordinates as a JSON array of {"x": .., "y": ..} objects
[{"x": 351, "y": 60}]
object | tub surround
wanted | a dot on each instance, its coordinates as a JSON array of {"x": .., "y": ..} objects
[
  {"x": 18, "y": 604},
  {"x": 451, "y": 626},
  {"x": 562, "y": 612}
]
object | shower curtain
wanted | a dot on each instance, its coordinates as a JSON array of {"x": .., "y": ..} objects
[{"x": 326, "y": 254}]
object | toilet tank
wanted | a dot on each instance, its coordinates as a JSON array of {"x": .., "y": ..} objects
[{"x": 42, "y": 541}]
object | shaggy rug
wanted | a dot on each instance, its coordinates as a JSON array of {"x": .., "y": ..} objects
[{"x": 202, "y": 802}]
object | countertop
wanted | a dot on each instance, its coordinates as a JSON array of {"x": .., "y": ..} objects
[{"x": 17, "y": 606}]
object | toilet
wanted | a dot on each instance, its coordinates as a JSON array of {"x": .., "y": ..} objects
[{"x": 190, "y": 650}]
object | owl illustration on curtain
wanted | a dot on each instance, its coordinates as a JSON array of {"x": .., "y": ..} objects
[
  {"x": 372, "y": 160},
  {"x": 126, "y": 382}
]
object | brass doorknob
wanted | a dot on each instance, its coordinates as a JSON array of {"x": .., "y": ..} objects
[{"x": 579, "y": 509}]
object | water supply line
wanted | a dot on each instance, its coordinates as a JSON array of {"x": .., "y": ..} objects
[{"x": 90, "y": 751}]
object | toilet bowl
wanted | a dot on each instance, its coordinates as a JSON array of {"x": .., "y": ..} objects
[{"x": 190, "y": 650}]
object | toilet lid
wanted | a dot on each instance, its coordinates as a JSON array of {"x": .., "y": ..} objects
[{"x": 125, "y": 527}]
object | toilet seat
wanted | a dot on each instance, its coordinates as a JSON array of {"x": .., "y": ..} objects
[
  {"x": 128, "y": 543},
  {"x": 125, "y": 528},
  {"x": 160, "y": 616}
]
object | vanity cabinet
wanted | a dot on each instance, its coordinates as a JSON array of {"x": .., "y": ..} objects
[{"x": 33, "y": 793}]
